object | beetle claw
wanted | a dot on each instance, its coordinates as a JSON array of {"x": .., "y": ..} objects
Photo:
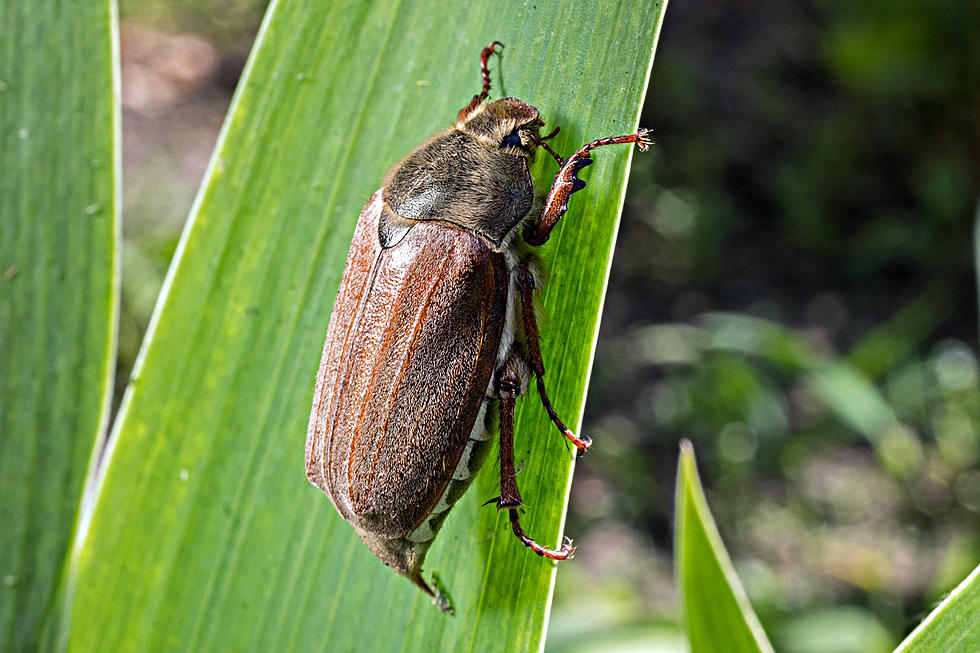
[
  {"x": 581, "y": 444},
  {"x": 567, "y": 548},
  {"x": 566, "y": 551},
  {"x": 643, "y": 140}
]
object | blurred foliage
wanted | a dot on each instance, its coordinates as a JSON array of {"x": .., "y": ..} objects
[
  {"x": 793, "y": 290},
  {"x": 180, "y": 63},
  {"x": 815, "y": 177},
  {"x": 229, "y": 24}
]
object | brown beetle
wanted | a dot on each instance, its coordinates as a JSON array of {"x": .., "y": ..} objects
[{"x": 433, "y": 330}]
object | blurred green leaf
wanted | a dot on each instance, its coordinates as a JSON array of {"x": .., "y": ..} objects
[
  {"x": 840, "y": 386},
  {"x": 717, "y": 612},
  {"x": 59, "y": 224},
  {"x": 953, "y": 625},
  {"x": 976, "y": 244},
  {"x": 885, "y": 346},
  {"x": 853, "y": 398},
  {"x": 838, "y": 629},
  {"x": 206, "y": 533}
]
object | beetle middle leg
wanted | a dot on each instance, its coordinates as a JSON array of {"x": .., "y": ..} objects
[
  {"x": 525, "y": 282},
  {"x": 509, "y": 386},
  {"x": 567, "y": 182}
]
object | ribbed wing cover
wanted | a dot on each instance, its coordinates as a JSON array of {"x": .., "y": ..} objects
[{"x": 409, "y": 353}]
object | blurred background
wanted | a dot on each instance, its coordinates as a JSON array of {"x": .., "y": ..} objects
[{"x": 794, "y": 291}]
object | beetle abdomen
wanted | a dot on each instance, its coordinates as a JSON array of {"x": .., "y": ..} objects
[{"x": 409, "y": 355}]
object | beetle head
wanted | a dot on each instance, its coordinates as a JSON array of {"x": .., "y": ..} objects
[{"x": 505, "y": 125}]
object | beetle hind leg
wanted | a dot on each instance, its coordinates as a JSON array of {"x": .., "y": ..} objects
[
  {"x": 510, "y": 497},
  {"x": 525, "y": 281},
  {"x": 509, "y": 387}
]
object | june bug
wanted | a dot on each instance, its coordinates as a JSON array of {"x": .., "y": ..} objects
[{"x": 433, "y": 332}]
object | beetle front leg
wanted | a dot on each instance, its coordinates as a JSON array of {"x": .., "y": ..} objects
[
  {"x": 509, "y": 386},
  {"x": 478, "y": 99},
  {"x": 567, "y": 182},
  {"x": 525, "y": 281}
]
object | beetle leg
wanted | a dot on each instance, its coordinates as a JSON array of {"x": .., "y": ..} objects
[
  {"x": 541, "y": 141},
  {"x": 478, "y": 99},
  {"x": 567, "y": 182},
  {"x": 510, "y": 498},
  {"x": 509, "y": 386},
  {"x": 525, "y": 281}
]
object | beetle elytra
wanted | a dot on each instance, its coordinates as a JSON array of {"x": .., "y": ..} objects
[{"x": 433, "y": 330}]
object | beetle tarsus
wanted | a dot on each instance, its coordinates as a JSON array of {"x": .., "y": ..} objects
[
  {"x": 478, "y": 99},
  {"x": 641, "y": 138},
  {"x": 566, "y": 552},
  {"x": 580, "y": 443},
  {"x": 485, "y": 55}
]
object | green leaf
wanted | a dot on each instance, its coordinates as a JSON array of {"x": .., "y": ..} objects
[
  {"x": 716, "y": 610},
  {"x": 953, "y": 625},
  {"x": 59, "y": 223},
  {"x": 206, "y": 533}
]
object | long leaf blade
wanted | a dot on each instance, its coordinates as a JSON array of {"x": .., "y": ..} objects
[
  {"x": 717, "y": 612},
  {"x": 206, "y": 533},
  {"x": 59, "y": 220}
]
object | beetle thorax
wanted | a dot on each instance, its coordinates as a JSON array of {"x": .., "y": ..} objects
[{"x": 470, "y": 176}]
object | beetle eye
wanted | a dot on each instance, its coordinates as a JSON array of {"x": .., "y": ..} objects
[{"x": 511, "y": 140}]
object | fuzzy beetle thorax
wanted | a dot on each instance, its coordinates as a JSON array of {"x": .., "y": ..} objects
[{"x": 474, "y": 176}]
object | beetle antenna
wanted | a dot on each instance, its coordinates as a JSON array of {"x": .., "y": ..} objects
[
  {"x": 554, "y": 132},
  {"x": 485, "y": 72}
]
